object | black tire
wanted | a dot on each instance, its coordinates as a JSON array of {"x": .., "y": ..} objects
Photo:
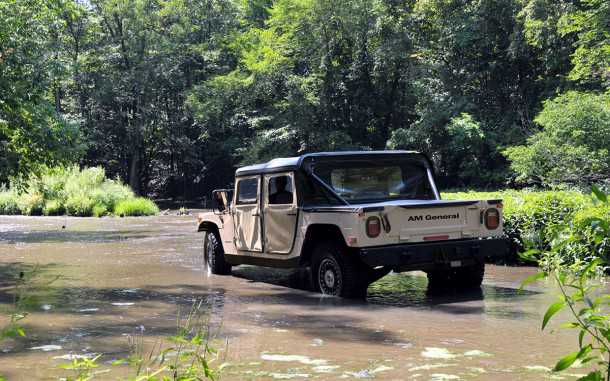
[
  {"x": 214, "y": 254},
  {"x": 334, "y": 272}
]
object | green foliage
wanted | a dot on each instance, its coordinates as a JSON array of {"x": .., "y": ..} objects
[
  {"x": 532, "y": 219},
  {"x": 100, "y": 210},
  {"x": 582, "y": 293},
  {"x": 79, "y": 205},
  {"x": 31, "y": 203},
  {"x": 32, "y": 129},
  {"x": 588, "y": 20},
  {"x": 73, "y": 191},
  {"x": 8, "y": 202},
  {"x": 136, "y": 207},
  {"x": 53, "y": 208},
  {"x": 170, "y": 96},
  {"x": 573, "y": 145}
]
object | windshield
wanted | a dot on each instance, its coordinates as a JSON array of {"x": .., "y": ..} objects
[{"x": 374, "y": 181}]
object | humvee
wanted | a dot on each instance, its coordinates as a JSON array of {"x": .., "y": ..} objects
[{"x": 350, "y": 218}]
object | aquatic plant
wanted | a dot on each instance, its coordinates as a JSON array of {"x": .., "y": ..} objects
[{"x": 581, "y": 292}]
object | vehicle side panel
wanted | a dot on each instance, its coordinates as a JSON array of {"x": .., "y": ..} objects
[{"x": 224, "y": 224}]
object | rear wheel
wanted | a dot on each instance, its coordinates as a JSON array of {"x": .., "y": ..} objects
[
  {"x": 334, "y": 272},
  {"x": 214, "y": 254},
  {"x": 462, "y": 277}
]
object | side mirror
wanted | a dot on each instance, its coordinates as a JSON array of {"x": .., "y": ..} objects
[{"x": 221, "y": 200}]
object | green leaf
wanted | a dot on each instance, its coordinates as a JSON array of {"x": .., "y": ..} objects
[
  {"x": 568, "y": 360},
  {"x": 581, "y": 335},
  {"x": 599, "y": 194},
  {"x": 552, "y": 310},
  {"x": 530, "y": 255},
  {"x": 531, "y": 279}
]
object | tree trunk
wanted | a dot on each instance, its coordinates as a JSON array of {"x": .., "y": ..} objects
[{"x": 134, "y": 171}]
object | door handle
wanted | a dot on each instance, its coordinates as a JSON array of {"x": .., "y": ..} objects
[
  {"x": 291, "y": 213},
  {"x": 256, "y": 214}
]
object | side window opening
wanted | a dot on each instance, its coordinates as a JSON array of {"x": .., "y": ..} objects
[
  {"x": 247, "y": 191},
  {"x": 315, "y": 194},
  {"x": 280, "y": 190}
]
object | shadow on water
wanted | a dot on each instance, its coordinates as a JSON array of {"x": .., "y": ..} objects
[
  {"x": 400, "y": 290},
  {"x": 64, "y": 236}
]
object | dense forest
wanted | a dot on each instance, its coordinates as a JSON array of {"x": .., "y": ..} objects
[{"x": 172, "y": 95}]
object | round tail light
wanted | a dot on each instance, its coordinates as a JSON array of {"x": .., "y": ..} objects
[
  {"x": 373, "y": 227},
  {"x": 492, "y": 218}
]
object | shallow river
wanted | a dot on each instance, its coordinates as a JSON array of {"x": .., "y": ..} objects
[{"x": 125, "y": 280}]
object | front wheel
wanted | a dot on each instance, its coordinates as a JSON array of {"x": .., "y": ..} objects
[
  {"x": 336, "y": 273},
  {"x": 214, "y": 254}
]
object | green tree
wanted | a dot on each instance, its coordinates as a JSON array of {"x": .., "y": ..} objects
[
  {"x": 573, "y": 146},
  {"x": 32, "y": 130}
]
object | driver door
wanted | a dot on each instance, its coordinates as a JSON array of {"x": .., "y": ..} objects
[
  {"x": 280, "y": 213},
  {"x": 246, "y": 214}
]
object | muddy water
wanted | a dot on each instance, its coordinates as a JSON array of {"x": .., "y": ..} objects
[{"x": 126, "y": 278}]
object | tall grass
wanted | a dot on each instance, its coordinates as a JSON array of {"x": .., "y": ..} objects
[
  {"x": 136, "y": 207},
  {"x": 76, "y": 192}
]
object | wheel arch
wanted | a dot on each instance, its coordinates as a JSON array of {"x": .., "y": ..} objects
[
  {"x": 206, "y": 226},
  {"x": 209, "y": 227},
  {"x": 317, "y": 233}
]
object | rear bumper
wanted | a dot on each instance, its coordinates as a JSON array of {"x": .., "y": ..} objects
[{"x": 433, "y": 255}]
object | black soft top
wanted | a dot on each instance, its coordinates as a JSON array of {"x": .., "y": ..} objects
[{"x": 293, "y": 163}]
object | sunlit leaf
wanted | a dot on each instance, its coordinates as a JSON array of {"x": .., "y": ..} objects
[
  {"x": 581, "y": 336},
  {"x": 568, "y": 360},
  {"x": 552, "y": 310}
]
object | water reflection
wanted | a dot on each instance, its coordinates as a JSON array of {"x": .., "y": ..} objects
[{"x": 398, "y": 290}]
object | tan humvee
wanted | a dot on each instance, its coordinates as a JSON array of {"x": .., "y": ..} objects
[{"x": 351, "y": 217}]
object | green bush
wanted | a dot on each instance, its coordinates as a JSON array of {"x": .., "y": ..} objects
[
  {"x": 110, "y": 192},
  {"x": 572, "y": 146},
  {"x": 31, "y": 204},
  {"x": 532, "y": 219},
  {"x": 100, "y": 210},
  {"x": 52, "y": 183},
  {"x": 80, "y": 206},
  {"x": 84, "y": 181},
  {"x": 77, "y": 192},
  {"x": 136, "y": 207},
  {"x": 53, "y": 208},
  {"x": 8, "y": 203}
]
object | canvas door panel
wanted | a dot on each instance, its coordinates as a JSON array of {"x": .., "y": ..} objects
[
  {"x": 248, "y": 235},
  {"x": 280, "y": 220}
]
